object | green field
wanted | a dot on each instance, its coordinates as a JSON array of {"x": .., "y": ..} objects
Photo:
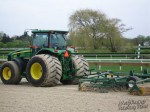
[{"x": 124, "y": 69}]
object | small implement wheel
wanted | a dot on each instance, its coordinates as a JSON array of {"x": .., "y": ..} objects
[
  {"x": 10, "y": 73},
  {"x": 131, "y": 80},
  {"x": 42, "y": 71}
]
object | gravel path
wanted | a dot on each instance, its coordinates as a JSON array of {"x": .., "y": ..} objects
[{"x": 25, "y": 98}]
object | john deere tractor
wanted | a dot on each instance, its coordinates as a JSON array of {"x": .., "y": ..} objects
[{"x": 47, "y": 62}]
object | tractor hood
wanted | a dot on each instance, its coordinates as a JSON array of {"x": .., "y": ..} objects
[
  {"x": 24, "y": 52},
  {"x": 28, "y": 52}
]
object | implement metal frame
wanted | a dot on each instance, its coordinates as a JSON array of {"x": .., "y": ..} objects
[{"x": 104, "y": 80}]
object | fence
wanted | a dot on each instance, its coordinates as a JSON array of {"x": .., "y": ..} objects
[
  {"x": 112, "y": 55},
  {"x": 120, "y": 62},
  {"x": 5, "y": 51},
  {"x": 2, "y": 61},
  {"x": 101, "y": 59}
]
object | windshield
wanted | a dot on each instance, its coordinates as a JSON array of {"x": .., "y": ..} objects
[
  {"x": 58, "y": 40},
  {"x": 40, "y": 39}
]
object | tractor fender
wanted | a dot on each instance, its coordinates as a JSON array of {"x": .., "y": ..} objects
[
  {"x": 46, "y": 51},
  {"x": 20, "y": 62}
]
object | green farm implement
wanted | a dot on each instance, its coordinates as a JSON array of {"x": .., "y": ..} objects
[
  {"x": 47, "y": 62},
  {"x": 103, "y": 82}
]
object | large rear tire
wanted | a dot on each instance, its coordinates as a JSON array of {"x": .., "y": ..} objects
[
  {"x": 10, "y": 73},
  {"x": 81, "y": 64},
  {"x": 58, "y": 68},
  {"x": 42, "y": 71}
]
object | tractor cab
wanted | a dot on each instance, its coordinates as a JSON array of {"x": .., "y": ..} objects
[{"x": 49, "y": 39}]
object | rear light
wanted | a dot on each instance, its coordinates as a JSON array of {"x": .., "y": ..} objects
[
  {"x": 55, "y": 50},
  {"x": 66, "y": 55}
]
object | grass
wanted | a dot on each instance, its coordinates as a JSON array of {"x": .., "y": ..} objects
[
  {"x": 124, "y": 69},
  {"x": 136, "y": 69}
]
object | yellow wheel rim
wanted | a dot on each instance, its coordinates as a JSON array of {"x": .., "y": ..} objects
[
  {"x": 6, "y": 73},
  {"x": 36, "y": 71}
]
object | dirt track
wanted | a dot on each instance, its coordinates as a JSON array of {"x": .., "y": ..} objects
[{"x": 25, "y": 98}]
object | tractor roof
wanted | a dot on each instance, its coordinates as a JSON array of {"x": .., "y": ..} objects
[{"x": 49, "y": 31}]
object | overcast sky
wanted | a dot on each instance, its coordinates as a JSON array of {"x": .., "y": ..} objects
[{"x": 17, "y": 15}]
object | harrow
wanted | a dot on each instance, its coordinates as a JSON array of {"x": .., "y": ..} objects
[
  {"x": 103, "y": 81},
  {"x": 106, "y": 81}
]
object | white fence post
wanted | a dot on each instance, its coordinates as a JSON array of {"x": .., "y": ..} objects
[
  {"x": 100, "y": 65},
  {"x": 141, "y": 66},
  {"x": 139, "y": 51},
  {"x": 120, "y": 66}
]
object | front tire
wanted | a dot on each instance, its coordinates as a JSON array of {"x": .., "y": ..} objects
[
  {"x": 10, "y": 73},
  {"x": 42, "y": 71}
]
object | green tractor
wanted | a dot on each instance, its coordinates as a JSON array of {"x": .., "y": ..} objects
[{"x": 47, "y": 62}]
